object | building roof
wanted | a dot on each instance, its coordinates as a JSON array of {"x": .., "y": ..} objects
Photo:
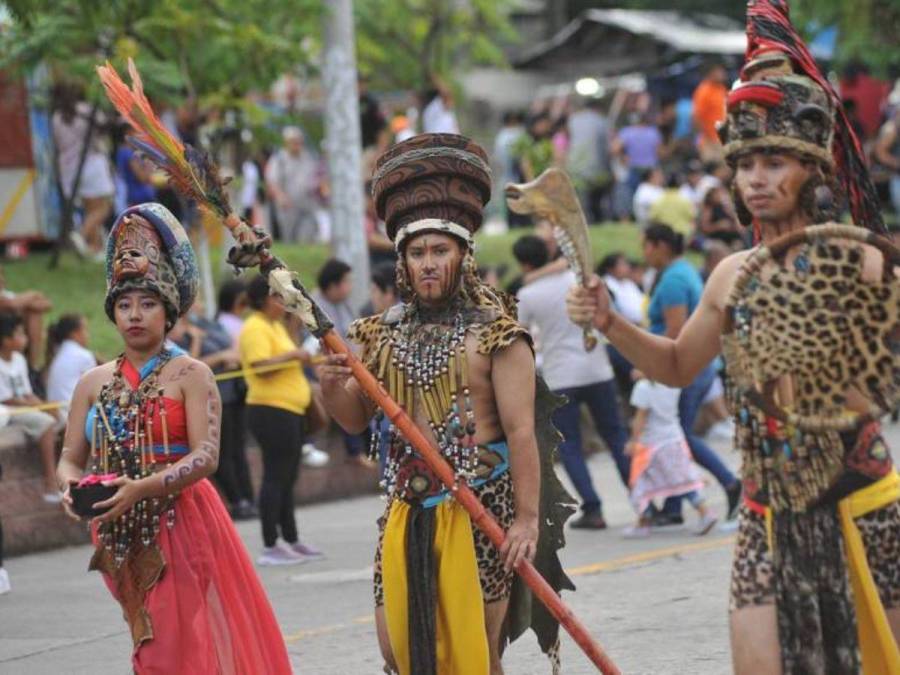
[{"x": 610, "y": 38}]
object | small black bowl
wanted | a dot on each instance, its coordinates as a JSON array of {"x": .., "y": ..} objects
[{"x": 84, "y": 498}]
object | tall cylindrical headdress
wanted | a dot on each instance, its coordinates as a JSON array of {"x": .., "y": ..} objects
[{"x": 432, "y": 182}]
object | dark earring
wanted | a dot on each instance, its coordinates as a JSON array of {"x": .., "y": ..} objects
[
  {"x": 817, "y": 199},
  {"x": 824, "y": 200},
  {"x": 402, "y": 279}
]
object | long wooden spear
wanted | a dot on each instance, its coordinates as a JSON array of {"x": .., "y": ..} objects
[{"x": 194, "y": 175}]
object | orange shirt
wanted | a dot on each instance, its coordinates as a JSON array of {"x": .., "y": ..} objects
[{"x": 709, "y": 108}]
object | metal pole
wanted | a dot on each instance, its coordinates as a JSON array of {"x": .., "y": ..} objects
[{"x": 343, "y": 145}]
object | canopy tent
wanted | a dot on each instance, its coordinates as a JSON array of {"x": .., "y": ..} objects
[{"x": 606, "y": 42}]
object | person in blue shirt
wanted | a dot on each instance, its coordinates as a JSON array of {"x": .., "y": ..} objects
[
  {"x": 136, "y": 175},
  {"x": 674, "y": 296}
]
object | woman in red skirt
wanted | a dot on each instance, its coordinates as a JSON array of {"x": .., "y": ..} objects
[{"x": 146, "y": 426}]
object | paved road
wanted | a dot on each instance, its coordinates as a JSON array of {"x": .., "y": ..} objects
[{"x": 658, "y": 606}]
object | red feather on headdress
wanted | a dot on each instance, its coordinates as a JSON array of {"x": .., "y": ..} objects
[
  {"x": 769, "y": 28},
  {"x": 190, "y": 170}
]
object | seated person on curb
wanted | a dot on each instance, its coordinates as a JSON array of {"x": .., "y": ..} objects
[
  {"x": 31, "y": 307},
  {"x": 15, "y": 392}
]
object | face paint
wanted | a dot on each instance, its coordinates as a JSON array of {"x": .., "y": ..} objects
[
  {"x": 770, "y": 184},
  {"x": 434, "y": 264}
]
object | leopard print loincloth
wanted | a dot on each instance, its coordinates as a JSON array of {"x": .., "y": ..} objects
[
  {"x": 496, "y": 582},
  {"x": 752, "y": 581}
]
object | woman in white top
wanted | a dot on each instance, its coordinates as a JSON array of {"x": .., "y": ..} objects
[{"x": 95, "y": 189}]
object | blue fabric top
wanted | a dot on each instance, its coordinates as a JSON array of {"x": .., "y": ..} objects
[
  {"x": 641, "y": 143},
  {"x": 137, "y": 192},
  {"x": 679, "y": 284}
]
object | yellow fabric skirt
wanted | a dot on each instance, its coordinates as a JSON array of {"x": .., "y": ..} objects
[
  {"x": 879, "y": 651},
  {"x": 462, "y": 646}
]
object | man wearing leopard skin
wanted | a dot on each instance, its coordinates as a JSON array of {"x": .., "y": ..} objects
[
  {"x": 454, "y": 356},
  {"x": 796, "y": 600}
]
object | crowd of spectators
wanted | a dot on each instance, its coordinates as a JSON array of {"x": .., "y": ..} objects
[{"x": 652, "y": 160}]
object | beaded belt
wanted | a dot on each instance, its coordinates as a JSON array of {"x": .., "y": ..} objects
[{"x": 417, "y": 484}]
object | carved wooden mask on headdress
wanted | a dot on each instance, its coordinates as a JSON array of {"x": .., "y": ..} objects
[
  {"x": 149, "y": 249},
  {"x": 138, "y": 251}
]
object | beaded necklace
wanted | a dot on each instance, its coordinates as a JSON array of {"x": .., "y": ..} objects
[
  {"x": 424, "y": 363},
  {"x": 124, "y": 447}
]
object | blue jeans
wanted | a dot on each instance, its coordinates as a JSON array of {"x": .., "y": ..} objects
[
  {"x": 688, "y": 406},
  {"x": 895, "y": 193},
  {"x": 603, "y": 404}
]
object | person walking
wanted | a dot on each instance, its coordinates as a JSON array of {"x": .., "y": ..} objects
[
  {"x": 293, "y": 181},
  {"x": 582, "y": 377},
  {"x": 661, "y": 463},
  {"x": 814, "y": 582},
  {"x": 674, "y": 297},
  {"x": 147, "y": 425},
  {"x": 95, "y": 188}
]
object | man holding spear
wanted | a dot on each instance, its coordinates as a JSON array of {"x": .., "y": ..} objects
[{"x": 453, "y": 355}]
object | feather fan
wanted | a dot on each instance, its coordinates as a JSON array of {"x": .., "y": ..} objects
[{"x": 190, "y": 170}]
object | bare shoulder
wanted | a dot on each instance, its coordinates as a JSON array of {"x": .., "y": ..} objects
[
  {"x": 720, "y": 282},
  {"x": 191, "y": 370},
  {"x": 95, "y": 378},
  {"x": 186, "y": 372},
  {"x": 517, "y": 354}
]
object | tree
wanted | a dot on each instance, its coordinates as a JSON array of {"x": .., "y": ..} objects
[
  {"x": 401, "y": 44},
  {"x": 210, "y": 50},
  {"x": 867, "y": 30}
]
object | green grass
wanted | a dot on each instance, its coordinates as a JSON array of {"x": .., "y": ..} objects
[{"x": 79, "y": 286}]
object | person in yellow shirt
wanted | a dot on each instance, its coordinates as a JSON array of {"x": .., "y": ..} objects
[
  {"x": 674, "y": 209},
  {"x": 277, "y": 401}
]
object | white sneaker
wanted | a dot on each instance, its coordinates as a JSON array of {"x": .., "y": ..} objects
[
  {"x": 78, "y": 242},
  {"x": 279, "y": 555},
  {"x": 728, "y": 526},
  {"x": 4, "y": 582},
  {"x": 636, "y": 532},
  {"x": 705, "y": 524},
  {"x": 306, "y": 550},
  {"x": 313, "y": 457}
]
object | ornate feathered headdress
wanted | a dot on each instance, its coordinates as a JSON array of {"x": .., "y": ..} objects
[{"x": 786, "y": 101}]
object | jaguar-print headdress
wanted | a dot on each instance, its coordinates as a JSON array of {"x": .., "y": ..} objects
[{"x": 785, "y": 102}]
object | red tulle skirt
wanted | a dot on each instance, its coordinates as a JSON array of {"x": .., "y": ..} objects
[{"x": 209, "y": 611}]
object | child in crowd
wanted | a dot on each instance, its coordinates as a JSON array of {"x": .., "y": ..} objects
[
  {"x": 31, "y": 306},
  {"x": 15, "y": 392},
  {"x": 68, "y": 358},
  {"x": 661, "y": 463}
]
